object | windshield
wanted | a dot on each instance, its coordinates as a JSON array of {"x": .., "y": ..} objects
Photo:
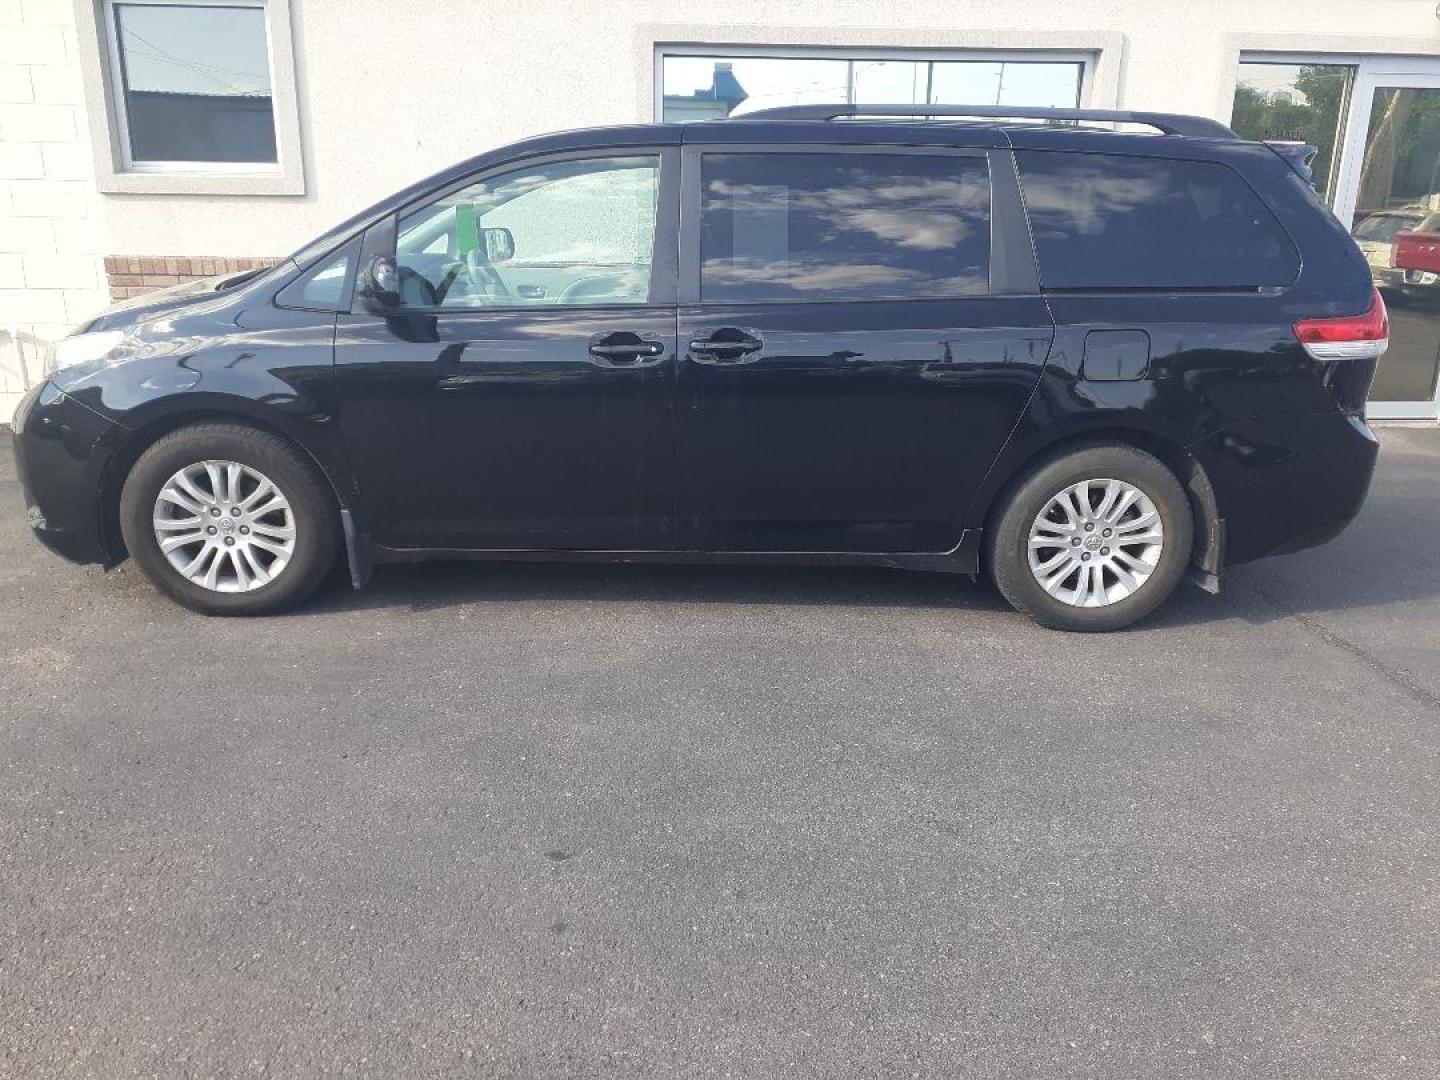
[{"x": 1383, "y": 227}]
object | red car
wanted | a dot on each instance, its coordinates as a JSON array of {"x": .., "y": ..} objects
[{"x": 1418, "y": 249}]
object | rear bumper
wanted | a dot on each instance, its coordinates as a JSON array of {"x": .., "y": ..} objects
[
  {"x": 59, "y": 448},
  {"x": 1283, "y": 483}
]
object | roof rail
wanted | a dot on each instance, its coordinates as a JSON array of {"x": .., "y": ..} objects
[{"x": 1166, "y": 123}]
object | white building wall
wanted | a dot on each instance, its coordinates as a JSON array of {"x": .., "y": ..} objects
[
  {"x": 390, "y": 90},
  {"x": 52, "y": 230}
]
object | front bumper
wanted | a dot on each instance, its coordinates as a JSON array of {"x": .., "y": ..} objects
[
  {"x": 1284, "y": 483},
  {"x": 60, "y": 447}
]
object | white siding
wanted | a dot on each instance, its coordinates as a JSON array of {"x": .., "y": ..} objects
[{"x": 52, "y": 231}]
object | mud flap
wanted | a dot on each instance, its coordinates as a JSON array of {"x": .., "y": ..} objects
[{"x": 357, "y": 552}]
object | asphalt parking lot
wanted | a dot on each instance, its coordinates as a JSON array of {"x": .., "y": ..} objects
[{"x": 534, "y": 821}]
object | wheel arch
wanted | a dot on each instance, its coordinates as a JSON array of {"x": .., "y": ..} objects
[
  {"x": 142, "y": 432},
  {"x": 1208, "y": 556}
]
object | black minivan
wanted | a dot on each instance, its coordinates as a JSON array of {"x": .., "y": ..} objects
[{"x": 1086, "y": 361}]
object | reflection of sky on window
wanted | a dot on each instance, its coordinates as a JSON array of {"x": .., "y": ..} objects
[
  {"x": 853, "y": 226},
  {"x": 772, "y": 81},
  {"x": 194, "y": 49}
]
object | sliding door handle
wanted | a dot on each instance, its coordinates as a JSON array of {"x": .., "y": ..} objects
[{"x": 726, "y": 346}]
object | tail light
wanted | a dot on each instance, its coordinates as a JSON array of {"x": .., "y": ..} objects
[{"x": 1351, "y": 337}]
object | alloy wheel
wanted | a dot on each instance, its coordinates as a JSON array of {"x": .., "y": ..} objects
[
  {"x": 1096, "y": 543},
  {"x": 224, "y": 526}
]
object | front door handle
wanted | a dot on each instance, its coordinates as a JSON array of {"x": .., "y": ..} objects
[
  {"x": 729, "y": 345},
  {"x": 624, "y": 349}
]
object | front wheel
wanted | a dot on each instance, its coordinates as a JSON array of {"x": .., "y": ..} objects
[
  {"x": 1093, "y": 540},
  {"x": 228, "y": 520}
]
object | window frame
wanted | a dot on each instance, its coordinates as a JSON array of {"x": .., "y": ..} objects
[
  {"x": 663, "y": 264},
  {"x": 1085, "y": 59},
  {"x": 1012, "y": 270},
  {"x": 117, "y": 170}
]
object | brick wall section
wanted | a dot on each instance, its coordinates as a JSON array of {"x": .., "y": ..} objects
[{"x": 135, "y": 275}]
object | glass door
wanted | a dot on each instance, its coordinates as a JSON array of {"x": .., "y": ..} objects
[{"x": 1388, "y": 191}]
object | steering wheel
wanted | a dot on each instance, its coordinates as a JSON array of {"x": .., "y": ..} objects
[
  {"x": 485, "y": 275},
  {"x": 452, "y": 273}
]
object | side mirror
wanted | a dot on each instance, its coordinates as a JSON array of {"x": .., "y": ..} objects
[
  {"x": 499, "y": 244},
  {"x": 380, "y": 283}
]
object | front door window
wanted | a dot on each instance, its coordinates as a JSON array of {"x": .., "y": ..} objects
[{"x": 560, "y": 234}]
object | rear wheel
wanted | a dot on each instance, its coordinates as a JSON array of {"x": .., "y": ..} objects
[
  {"x": 1093, "y": 540},
  {"x": 228, "y": 520}
]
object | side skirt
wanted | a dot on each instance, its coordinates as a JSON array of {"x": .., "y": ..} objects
[{"x": 964, "y": 558}]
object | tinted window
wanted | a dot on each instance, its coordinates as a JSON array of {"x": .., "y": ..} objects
[
  {"x": 1103, "y": 221},
  {"x": 843, "y": 226},
  {"x": 557, "y": 234}
]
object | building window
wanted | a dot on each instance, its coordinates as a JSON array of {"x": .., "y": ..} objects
[
  {"x": 1296, "y": 103},
  {"x": 701, "y": 84},
  {"x": 191, "y": 83},
  {"x": 192, "y": 97}
]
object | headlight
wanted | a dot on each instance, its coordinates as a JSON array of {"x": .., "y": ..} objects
[{"x": 83, "y": 348}]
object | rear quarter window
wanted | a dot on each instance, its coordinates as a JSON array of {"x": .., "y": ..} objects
[{"x": 1106, "y": 221}]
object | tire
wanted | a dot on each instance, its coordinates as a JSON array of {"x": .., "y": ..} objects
[
  {"x": 1125, "y": 583},
  {"x": 241, "y": 585}
]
